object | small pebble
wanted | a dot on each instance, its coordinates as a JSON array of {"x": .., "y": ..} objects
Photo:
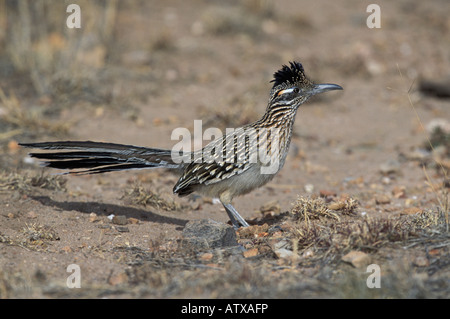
[
  {"x": 421, "y": 261},
  {"x": 119, "y": 220},
  {"x": 357, "y": 259},
  {"x": 250, "y": 253},
  {"x": 284, "y": 253},
  {"x": 390, "y": 167},
  {"x": 309, "y": 188},
  {"x": 93, "y": 217},
  {"x": 382, "y": 199},
  {"x": 31, "y": 214},
  {"x": 207, "y": 233},
  {"x": 122, "y": 229}
]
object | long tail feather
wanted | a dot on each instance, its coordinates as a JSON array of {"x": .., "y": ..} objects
[{"x": 97, "y": 157}]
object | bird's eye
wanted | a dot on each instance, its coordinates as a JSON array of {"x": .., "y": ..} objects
[{"x": 296, "y": 90}]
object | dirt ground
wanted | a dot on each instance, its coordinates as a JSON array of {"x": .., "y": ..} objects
[{"x": 137, "y": 70}]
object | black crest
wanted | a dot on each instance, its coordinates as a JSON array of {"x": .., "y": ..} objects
[{"x": 294, "y": 73}]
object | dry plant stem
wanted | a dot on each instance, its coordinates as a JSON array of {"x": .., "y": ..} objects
[{"x": 443, "y": 203}]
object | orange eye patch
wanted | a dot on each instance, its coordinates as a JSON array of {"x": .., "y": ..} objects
[{"x": 286, "y": 91}]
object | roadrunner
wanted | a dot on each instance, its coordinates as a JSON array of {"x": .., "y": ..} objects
[{"x": 231, "y": 165}]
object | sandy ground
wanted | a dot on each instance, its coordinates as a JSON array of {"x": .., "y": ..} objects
[{"x": 165, "y": 65}]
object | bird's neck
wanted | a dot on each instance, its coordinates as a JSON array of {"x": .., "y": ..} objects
[{"x": 279, "y": 122}]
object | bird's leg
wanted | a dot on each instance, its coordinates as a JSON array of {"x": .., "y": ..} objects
[{"x": 235, "y": 218}]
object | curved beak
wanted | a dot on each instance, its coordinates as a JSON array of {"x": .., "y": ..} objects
[{"x": 320, "y": 88}]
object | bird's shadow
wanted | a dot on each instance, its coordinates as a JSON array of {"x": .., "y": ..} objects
[{"x": 107, "y": 209}]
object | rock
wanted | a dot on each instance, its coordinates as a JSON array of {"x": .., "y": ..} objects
[
  {"x": 438, "y": 123},
  {"x": 390, "y": 167},
  {"x": 122, "y": 229},
  {"x": 120, "y": 220},
  {"x": 118, "y": 279},
  {"x": 382, "y": 199},
  {"x": 336, "y": 205},
  {"x": 32, "y": 214},
  {"x": 411, "y": 211},
  {"x": 284, "y": 253},
  {"x": 272, "y": 206},
  {"x": 421, "y": 261},
  {"x": 93, "y": 218},
  {"x": 207, "y": 233},
  {"x": 418, "y": 154},
  {"x": 308, "y": 253},
  {"x": 250, "y": 253},
  {"x": 133, "y": 220},
  {"x": 280, "y": 244},
  {"x": 326, "y": 193},
  {"x": 66, "y": 249},
  {"x": 206, "y": 256},
  {"x": 399, "y": 192},
  {"x": 357, "y": 258},
  {"x": 309, "y": 188}
]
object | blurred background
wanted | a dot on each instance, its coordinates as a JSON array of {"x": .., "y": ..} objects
[{"x": 152, "y": 63}]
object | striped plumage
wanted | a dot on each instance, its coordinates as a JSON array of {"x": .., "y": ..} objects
[{"x": 231, "y": 165}]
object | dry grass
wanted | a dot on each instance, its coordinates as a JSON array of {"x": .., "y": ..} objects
[
  {"x": 37, "y": 234},
  {"x": 312, "y": 208},
  {"x": 329, "y": 234},
  {"x": 431, "y": 221},
  {"x": 439, "y": 138},
  {"x": 307, "y": 209},
  {"x": 138, "y": 195},
  {"x": 24, "y": 183},
  {"x": 40, "y": 44},
  {"x": 33, "y": 236},
  {"x": 20, "y": 120}
]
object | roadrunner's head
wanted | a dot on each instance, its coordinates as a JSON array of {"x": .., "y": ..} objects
[{"x": 292, "y": 88}]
